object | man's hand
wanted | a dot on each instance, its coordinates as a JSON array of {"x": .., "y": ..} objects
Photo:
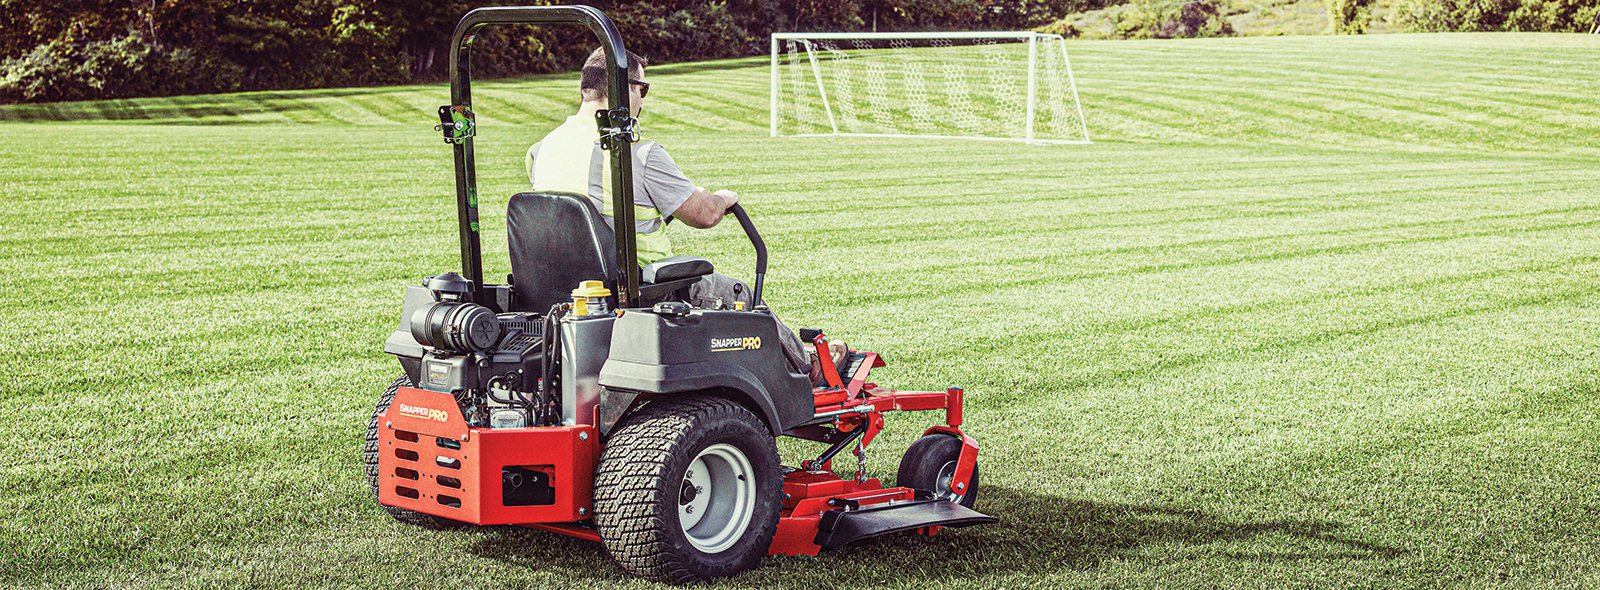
[
  {"x": 729, "y": 199},
  {"x": 704, "y": 210}
]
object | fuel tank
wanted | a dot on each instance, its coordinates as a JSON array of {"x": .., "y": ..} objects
[{"x": 735, "y": 353}]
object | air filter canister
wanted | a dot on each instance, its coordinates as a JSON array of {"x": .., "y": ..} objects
[{"x": 455, "y": 326}]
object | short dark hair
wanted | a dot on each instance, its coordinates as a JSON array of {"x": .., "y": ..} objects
[{"x": 595, "y": 71}]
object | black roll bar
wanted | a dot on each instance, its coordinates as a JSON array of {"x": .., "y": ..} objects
[{"x": 627, "y": 288}]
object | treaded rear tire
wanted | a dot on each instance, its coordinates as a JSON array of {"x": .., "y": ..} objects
[
  {"x": 369, "y": 460},
  {"x": 640, "y": 478},
  {"x": 926, "y": 459}
]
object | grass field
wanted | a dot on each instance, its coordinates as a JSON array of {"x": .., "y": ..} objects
[{"x": 1311, "y": 312}]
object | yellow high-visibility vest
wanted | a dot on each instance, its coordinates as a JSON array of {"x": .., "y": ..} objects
[{"x": 569, "y": 160}]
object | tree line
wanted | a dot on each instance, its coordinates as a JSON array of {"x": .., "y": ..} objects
[{"x": 90, "y": 49}]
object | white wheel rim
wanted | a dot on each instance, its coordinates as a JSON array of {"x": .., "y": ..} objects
[
  {"x": 942, "y": 484},
  {"x": 717, "y": 498}
]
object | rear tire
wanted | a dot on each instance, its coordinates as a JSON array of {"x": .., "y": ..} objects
[
  {"x": 369, "y": 460},
  {"x": 928, "y": 465},
  {"x": 688, "y": 489}
]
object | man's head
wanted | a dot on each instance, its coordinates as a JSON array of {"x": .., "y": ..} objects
[{"x": 595, "y": 70}]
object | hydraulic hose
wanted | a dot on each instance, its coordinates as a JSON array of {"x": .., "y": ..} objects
[{"x": 552, "y": 351}]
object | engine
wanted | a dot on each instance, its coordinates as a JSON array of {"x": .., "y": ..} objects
[{"x": 494, "y": 364}]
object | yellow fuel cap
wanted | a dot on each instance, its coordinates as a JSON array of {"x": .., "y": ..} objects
[
  {"x": 590, "y": 298},
  {"x": 591, "y": 289}
]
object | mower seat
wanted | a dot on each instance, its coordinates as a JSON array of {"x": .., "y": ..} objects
[{"x": 558, "y": 240}]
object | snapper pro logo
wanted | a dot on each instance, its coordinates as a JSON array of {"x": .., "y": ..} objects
[
  {"x": 423, "y": 413},
  {"x": 727, "y": 344}
]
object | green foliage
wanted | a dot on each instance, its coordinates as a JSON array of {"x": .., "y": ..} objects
[
  {"x": 122, "y": 67},
  {"x": 1555, "y": 16},
  {"x": 27, "y": 24},
  {"x": 1453, "y": 15},
  {"x": 921, "y": 15},
  {"x": 696, "y": 32},
  {"x": 1158, "y": 19},
  {"x": 273, "y": 44},
  {"x": 1000, "y": 15},
  {"x": 1063, "y": 27},
  {"x": 1349, "y": 17},
  {"x": 1563, "y": 16},
  {"x": 199, "y": 46}
]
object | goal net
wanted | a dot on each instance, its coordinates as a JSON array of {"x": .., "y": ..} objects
[{"x": 988, "y": 85}]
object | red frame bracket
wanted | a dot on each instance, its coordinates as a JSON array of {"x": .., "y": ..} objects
[
  {"x": 961, "y": 480},
  {"x": 835, "y": 381},
  {"x": 806, "y": 496}
]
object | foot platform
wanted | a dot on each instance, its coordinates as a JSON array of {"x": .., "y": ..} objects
[{"x": 850, "y": 523}]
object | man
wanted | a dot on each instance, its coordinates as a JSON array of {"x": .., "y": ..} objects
[{"x": 570, "y": 160}]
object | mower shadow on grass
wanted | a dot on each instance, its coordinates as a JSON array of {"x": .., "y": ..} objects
[
  {"x": 1038, "y": 534},
  {"x": 1076, "y": 533}
]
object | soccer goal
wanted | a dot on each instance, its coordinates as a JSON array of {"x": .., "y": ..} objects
[{"x": 976, "y": 85}]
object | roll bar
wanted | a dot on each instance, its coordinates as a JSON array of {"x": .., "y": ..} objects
[{"x": 618, "y": 144}]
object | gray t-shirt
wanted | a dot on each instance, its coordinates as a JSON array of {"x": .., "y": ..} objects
[{"x": 659, "y": 179}]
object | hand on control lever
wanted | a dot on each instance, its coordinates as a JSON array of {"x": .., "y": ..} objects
[{"x": 729, "y": 198}]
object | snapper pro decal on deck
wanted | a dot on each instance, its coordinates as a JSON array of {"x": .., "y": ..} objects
[
  {"x": 421, "y": 412},
  {"x": 727, "y": 344}
]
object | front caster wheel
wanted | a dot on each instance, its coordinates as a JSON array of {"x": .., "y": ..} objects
[
  {"x": 688, "y": 489},
  {"x": 930, "y": 463}
]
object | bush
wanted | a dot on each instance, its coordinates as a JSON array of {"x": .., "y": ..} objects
[
  {"x": 697, "y": 32},
  {"x": 1349, "y": 17},
  {"x": 1565, "y": 16},
  {"x": 1554, "y": 16},
  {"x": 1150, "y": 20},
  {"x": 1443, "y": 16},
  {"x": 123, "y": 67},
  {"x": 1063, "y": 27},
  {"x": 73, "y": 49}
]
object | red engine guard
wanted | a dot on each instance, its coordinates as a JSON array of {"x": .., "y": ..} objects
[{"x": 430, "y": 461}]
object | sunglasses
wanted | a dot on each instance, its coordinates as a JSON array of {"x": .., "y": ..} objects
[{"x": 644, "y": 89}]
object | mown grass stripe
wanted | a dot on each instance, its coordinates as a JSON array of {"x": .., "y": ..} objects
[
  {"x": 1212, "y": 312},
  {"x": 975, "y": 284},
  {"x": 1180, "y": 361},
  {"x": 953, "y": 258},
  {"x": 1298, "y": 317}
]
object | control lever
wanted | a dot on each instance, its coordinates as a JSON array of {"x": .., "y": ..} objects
[{"x": 761, "y": 249}]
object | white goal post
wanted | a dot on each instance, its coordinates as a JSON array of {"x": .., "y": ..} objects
[{"x": 1001, "y": 85}]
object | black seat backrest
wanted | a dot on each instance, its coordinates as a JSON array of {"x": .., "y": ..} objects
[{"x": 557, "y": 241}]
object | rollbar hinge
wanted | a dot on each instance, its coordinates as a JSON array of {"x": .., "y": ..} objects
[
  {"x": 456, "y": 123},
  {"x": 617, "y": 129}
]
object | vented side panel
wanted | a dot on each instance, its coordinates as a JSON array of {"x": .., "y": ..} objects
[{"x": 431, "y": 462}]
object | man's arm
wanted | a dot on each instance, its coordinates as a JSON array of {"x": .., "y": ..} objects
[
  {"x": 704, "y": 210},
  {"x": 664, "y": 182}
]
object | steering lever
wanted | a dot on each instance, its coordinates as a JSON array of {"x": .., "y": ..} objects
[{"x": 761, "y": 248}]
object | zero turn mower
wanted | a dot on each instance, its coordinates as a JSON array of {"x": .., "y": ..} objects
[{"x": 558, "y": 401}]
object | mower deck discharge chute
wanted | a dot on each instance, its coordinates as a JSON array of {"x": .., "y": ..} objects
[{"x": 648, "y": 429}]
